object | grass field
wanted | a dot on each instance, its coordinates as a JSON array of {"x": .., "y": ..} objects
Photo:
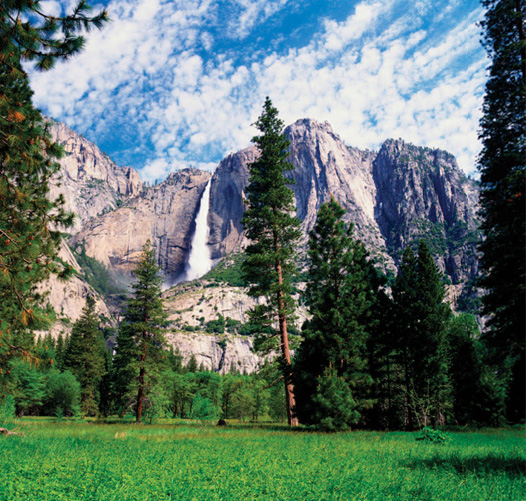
[{"x": 80, "y": 461}]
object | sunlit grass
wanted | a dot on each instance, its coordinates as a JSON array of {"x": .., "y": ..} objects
[{"x": 123, "y": 461}]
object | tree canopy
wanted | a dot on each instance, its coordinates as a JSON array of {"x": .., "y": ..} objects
[{"x": 502, "y": 165}]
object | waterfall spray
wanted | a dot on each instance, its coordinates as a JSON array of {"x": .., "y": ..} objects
[{"x": 199, "y": 261}]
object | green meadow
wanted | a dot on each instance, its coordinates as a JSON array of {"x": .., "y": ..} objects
[{"x": 77, "y": 460}]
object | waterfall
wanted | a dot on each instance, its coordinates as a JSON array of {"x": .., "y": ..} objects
[{"x": 199, "y": 262}]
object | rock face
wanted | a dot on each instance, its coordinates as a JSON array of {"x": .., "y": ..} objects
[
  {"x": 421, "y": 193},
  {"x": 394, "y": 197},
  {"x": 226, "y": 202},
  {"x": 69, "y": 298},
  {"x": 90, "y": 182},
  {"x": 191, "y": 306},
  {"x": 217, "y": 353},
  {"x": 164, "y": 214}
]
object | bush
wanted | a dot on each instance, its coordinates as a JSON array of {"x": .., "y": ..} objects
[
  {"x": 334, "y": 403},
  {"x": 203, "y": 408},
  {"x": 434, "y": 436},
  {"x": 63, "y": 394}
]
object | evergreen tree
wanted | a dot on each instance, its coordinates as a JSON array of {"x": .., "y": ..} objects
[
  {"x": 502, "y": 165},
  {"x": 29, "y": 220},
  {"x": 477, "y": 397},
  {"x": 105, "y": 404},
  {"x": 420, "y": 324},
  {"x": 192, "y": 364},
  {"x": 340, "y": 295},
  {"x": 140, "y": 341},
  {"x": 84, "y": 357},
  {"x": 273, "y": 232},
  {"x": 60, "y": 348}
]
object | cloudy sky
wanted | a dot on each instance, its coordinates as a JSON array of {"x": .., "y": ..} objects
[{"x": 176, "y": 83}]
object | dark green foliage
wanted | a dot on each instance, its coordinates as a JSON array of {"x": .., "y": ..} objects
[
  {"x": 502, "y": 168},
  {"x": 434, "y": 436},
  {"x": 105, "y": 404},
  {"x": 333, "y": 405},
  {"x": 28, "y": 387},
  {"x": 46, "y": 352},
  {"x": 139, "y": 356},
  {"x": 419, "y": 325},
  {"x": 272, "y": 229},
  {"x": 7, "y": 409},
  {"x": 29, "y": 220},
  {"x": 274, "y": 232},
  {"x": 84, "y": 357},
  {"x": 476, "y": 396},
  {"x": 175, "y": 360},
  {"x": 216, "y": 326},
  {"x": 192, "y": 364},
  {"x": 62, "y": 394},
  {"x": 340, "y": 295}
]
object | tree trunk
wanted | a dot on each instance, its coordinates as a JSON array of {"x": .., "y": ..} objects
[
  {"x": 287, "y": 366},
  {"x": 140, "y": 395}
]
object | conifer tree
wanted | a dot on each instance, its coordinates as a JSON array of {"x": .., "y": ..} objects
[
  {"x": 502, "y": 165},
  {"x": 273, "y": 231},
  {"x": 84, "y": 357},
  {"x": 340, "y": 295},
  {"x": 140, "y": 341},
  {"x": 30, "y": 222},
  {"x": 420, "y": 323}
]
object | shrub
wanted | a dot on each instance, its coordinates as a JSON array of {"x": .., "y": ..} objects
[
  {"x": 434, "y": 436},
  {"x": 63, "y": 393}
]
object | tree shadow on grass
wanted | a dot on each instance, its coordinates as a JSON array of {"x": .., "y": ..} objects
[{"x": 479, "y": 465}]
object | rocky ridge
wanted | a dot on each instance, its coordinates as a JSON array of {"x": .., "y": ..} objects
[
  {"x": 394, "y": 197},
  {"x": 90, "y": 181}
]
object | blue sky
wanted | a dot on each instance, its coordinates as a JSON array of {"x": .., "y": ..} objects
[{"x": 171, "y": 84}]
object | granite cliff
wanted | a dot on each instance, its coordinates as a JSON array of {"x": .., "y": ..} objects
[
  {"x": 164, "y": 214},
  {"x": 90, "y": 181},
  {"x": 394, "y": 197}
]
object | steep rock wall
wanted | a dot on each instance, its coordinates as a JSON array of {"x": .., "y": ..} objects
[{"x": 163, "y": 214}]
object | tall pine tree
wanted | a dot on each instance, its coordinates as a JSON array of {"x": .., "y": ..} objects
[
  {"x": 84, "y": 357},
  {"x": 29, "y": 220},
  {"x": 331, "y": 375},
  {"x": 420, "y": 319},
  {"x": 273, "y": 231},
  {"x": 140, "y": 341},
  {"x": 502, "y": 165}
]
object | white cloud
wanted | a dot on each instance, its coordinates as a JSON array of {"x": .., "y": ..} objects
[
  {"x": 253, "y": 12},
  {"x": 158, "y": 78}
]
